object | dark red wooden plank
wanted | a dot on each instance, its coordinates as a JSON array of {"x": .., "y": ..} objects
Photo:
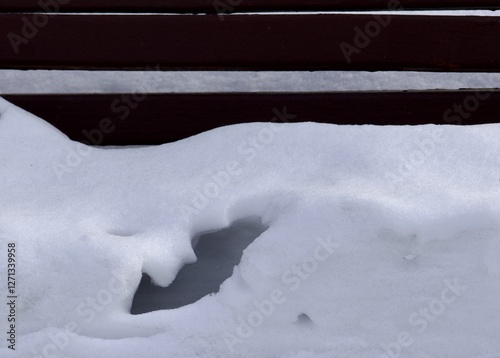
[
  {"x": 161, "y": 118},
  {"x": 217, "y": 6},
  {"x": 256, "y": 42}
]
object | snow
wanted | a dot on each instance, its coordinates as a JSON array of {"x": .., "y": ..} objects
[
  {"x": 382, "y": 241},
  {"x": 45, "y": 81}
]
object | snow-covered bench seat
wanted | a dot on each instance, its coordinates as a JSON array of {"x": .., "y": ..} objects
[{"x": 366, "y": 241}]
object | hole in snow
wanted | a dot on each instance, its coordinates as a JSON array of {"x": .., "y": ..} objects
[
  {"x": 121, "y": 232},
  {"x": 304, "y": 319},
  {"x": 217, "y": 252}
]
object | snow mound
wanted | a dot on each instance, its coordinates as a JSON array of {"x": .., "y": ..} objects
[{"x": 382, "y": 241}]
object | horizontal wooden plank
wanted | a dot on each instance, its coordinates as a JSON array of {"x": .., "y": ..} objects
[
  {"x": 257, "y": 42},
  {"x": 218, "y": 6},
  {"x": 161, "y": 118}
]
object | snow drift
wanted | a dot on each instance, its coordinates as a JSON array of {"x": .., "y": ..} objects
[{"x": 382, "y": 241}]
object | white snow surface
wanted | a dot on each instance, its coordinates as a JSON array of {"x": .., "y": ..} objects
[
  {"x": 382, "y": 241},
  {"x": 50, "y": 81}
]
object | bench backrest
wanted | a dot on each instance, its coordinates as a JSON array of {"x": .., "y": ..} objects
[{"x": 50, "y": 34}]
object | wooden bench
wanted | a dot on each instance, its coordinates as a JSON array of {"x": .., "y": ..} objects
[{"x": 196, "y": 35}]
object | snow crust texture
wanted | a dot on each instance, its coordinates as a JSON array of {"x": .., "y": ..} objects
[{"x": 382, "y": 241}]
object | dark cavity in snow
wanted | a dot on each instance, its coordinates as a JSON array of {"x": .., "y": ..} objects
[
  {"x": 304, "y": 319},
  {"x": 217, "y": 252}
]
